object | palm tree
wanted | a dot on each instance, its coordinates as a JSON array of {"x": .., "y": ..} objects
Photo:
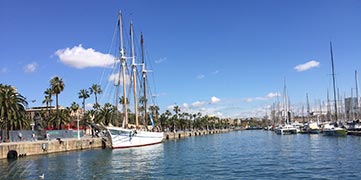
[
  {"x": 47, "y": 100},
  {"x": 121, "y": 100},
  {"x": 83, "y": 94},
  {"x": 154, "y": 110},
  {"x": 12, "y": 109},
  {"x": 176, "y": 109},
  {"x": 49, "y": 92},
  {"x": 95, "y": 89},
  {"x": 90, "y": 115},
  {"x": 105, "y": 114},
  {"x": 74, "y": 107},
  {"x": 57, "y": 86},
  {"x": 64, "y": 116}
]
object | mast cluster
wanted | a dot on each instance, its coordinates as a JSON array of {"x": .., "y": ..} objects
[{"x": 122, "y": 74}]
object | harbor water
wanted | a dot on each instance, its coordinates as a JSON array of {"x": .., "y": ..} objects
[{"x": 255, "y": 154}]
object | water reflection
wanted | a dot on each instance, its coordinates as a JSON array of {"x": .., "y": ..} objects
[
  {"x": 136, "y": 161},
  {"x": 235, "y": 155}
]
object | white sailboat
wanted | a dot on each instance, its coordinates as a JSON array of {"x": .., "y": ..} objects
[
  {"x": 123, "y": 137},
  {"x": 330, "y": 129},
  {"x": 286, "y": 128}
]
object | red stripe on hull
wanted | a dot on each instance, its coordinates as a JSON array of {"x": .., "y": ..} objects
[{"x": 123, "y": 147}]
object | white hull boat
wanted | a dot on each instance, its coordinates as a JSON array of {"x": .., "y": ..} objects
[
  {"x": 127, "y": 138},
  {"x": 286, "y": 129}
]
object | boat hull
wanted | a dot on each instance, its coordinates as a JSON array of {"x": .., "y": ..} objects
[
  {"x": 127, "y": 138},
  {"x": 314, "y": 131},
  {"x": 335, "y": 132},
  {"x": 286, "y": 131}
]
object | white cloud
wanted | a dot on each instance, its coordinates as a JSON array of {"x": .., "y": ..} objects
[
  {"x": 264, "y": 98},
  {"x": 216, "y": 72},
  {"x": 170, "y": 107},
  {"x": 201, "y": 76},
  {"x": 248, "y": 100},
  {"x": 219, "y": 114},
  {"x": 272, "y": 95},
  {"x": 80, "y": 58},
  {"x": 214, "y": 100},
  {"x": 89, "y": 106},
  {"x": 160, "y": 60},
  {"x": 29, "y": 68},
  {"x": 306, "y": 66},
  {"x": 3, "y": 70},
  {"x": 115, "y": 77},
  {"x": 198, "y": 104},
  {"x": 186, "y": 105}
]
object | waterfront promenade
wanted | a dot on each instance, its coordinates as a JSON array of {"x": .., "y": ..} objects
[{"x": 28, "y": 148}]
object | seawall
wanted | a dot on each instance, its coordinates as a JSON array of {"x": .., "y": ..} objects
[
  {"x": 28, "y": 148},
  {"x": 184, "y": 134},
  {"x": 20, "y": 149}
]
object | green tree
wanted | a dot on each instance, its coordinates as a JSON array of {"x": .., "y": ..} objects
[
  {"x": 176, "y": 109},
  {"x": 74, "y": 107},
  {"x": 57, "y": 86},
  {"x": 48, "y": 99},
  {"x": 49, "y": 92},
  {"x": 121, "y": 100},
  {"x": 62, "y": 117},
  {"x": 105, "y": 114},
  {"x": 96, "y": 89},
  {"x": 83, "y": 94},
  {"x": 12, "y": 109}
]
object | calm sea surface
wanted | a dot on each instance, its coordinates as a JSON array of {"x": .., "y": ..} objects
[{"x": 235, "y": 155}]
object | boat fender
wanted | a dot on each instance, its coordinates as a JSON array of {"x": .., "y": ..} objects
[
  {"x": 12, "y": 154},
  {"x": 43, "y": 147}
]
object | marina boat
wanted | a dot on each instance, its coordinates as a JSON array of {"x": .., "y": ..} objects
[
  {"x": 125, "y": 137},
  {"x": 313, "y": 128},
  {"x": 354, "y": 126},
  {"x": 286, "y": 130},
  {"x": 331, "y": 130}
]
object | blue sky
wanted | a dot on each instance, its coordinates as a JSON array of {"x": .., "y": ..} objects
[{"x": 227, "y": 58}]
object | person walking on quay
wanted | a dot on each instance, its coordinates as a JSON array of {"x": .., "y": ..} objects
[
  {"x": 33, "y": 136},
  {"x": 20, "y": 135}
]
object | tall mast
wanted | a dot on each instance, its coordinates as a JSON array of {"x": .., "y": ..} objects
[
  {"x": 123, "y": 64},
  {"x": 285, "y": 102},
  {"x": 120, "y": 50},
  {"x": 328, "y": 106},
  {"x": 134, "y": 68},
  {"x": 352, "y": 105},
  {"x": 318, "y": 120},
  {"x": 144, "y": 73},
  {"x": 357, "y": 98},
  {"x": 278, "y": 110},
  {"x": 333, "y": 81},
  {"x": 308, "y": 108}
]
